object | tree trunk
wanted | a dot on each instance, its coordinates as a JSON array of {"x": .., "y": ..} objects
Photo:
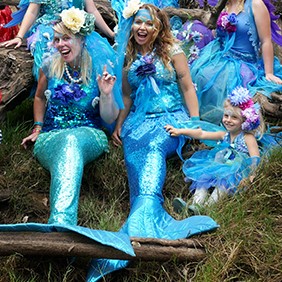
[{"x": 72, "y": 244}]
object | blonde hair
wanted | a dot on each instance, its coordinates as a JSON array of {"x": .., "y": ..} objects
[
  {"x": 162, "y": 40},
  {"x": 259, "y": 131},
  {"x": 57, "y": 64}
]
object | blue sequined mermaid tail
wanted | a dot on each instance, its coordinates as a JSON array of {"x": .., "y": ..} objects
[
  {"x": 146, "y": 149},
  {"x": 64, "y": 153}
]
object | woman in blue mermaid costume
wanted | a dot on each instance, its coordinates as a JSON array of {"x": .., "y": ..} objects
[
  {"x": 241, "y": 55},
  {"x": 38, "y": 17},
  {"x": 69, "y": 106},
  {"x": 154, "y": 65}
]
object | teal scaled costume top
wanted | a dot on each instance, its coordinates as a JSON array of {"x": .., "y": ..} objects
[{"x": 231, "y": 60}]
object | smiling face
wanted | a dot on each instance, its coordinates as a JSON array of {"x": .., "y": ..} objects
[
  {"x": 143, "y": 29},
  {"x": 232, "y": 120},
  {"x": 69, "y": 46}
]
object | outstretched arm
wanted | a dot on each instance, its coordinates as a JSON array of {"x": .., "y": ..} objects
[
  {"x": 197, "y": 133},
  {"x": 262, "y": 20},
  {"x": 101, "y": 24},
  {"x": 28, "y": 20}
]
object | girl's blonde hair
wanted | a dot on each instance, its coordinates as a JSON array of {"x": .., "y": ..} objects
[
  {"x": 162, "y": 40},
  {"x": 57, "y": 64},
  {"x": 259, "y": 131}
]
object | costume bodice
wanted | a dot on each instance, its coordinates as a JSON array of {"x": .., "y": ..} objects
[
  {"x": 153, "y": 85},
  {"x": 244, "y": 44},
  {"x": 70, "y": 105},
  {"x": 50, "y": 9},
  {"x": 239, "y": 143}
]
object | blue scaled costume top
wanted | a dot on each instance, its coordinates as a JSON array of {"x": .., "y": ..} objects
[
  {"x": 231, "y": 60},
  {"x": 157, "y": 101}
]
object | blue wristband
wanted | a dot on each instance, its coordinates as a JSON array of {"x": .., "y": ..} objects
[
  {"x": 195, "y": 118},
  {"x": 38, "y": 123}
]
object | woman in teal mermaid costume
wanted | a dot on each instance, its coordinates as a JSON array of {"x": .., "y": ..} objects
[
  {"x": 38, "y": 17},
  {"x": 75, "y": 94},
  {"x": 154, "y": 65},
  {"x": 241, "y": 55}
]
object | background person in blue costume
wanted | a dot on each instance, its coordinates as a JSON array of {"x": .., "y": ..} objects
[
  {"x": 37, "y": 18},
  {"x": 68, "y": 106},
  {"x": 233, "y": 160},
  {"x": 241, "y": 54},
  {"x": 157, "y": 87}
]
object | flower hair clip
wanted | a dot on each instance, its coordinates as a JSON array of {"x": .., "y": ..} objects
[
  {"x": 78, "y": 21},
  {"x": 241, "y": 98},
  {"x": 132, "y": 8}
]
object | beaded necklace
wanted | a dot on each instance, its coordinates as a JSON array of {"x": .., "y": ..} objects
[{"x": 68, "y": 76}]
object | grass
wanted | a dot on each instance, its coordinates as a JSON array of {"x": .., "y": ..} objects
[{"x": 246, "y": 247}]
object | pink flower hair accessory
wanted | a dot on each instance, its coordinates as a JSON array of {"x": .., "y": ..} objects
[{"x": 240, "y": 97}]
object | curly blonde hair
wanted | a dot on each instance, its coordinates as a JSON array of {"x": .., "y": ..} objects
[
  {"x": 162, "y": 40},
  {"x": 57, "y": 64}
]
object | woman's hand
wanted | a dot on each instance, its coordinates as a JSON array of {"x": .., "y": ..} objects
[
  {"x": 172, "y": 130},
  {"x": 116, "y": 137},
  {"x": 30, "y": 139},
  {"x": 17, "y": 41},
  {"x": 273, "y": 78},
  {"x": 106, "y": 82}
]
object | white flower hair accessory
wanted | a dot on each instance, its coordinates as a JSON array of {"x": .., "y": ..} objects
[
  {"x": 132, "y": 8},
  {"x": 78, "y": 21}
]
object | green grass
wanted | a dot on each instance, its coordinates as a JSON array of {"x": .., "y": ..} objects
[{"x": 246, "y": 247}]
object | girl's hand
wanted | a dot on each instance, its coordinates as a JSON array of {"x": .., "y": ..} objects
[
  {"x": 30, "y": 139},
  {"x": 273, "y": 78},
  {"x": 17, "y": 41},
  {"x": 116, "y": 137},
  {"x": 171, "y": 130},
  {"x": 106, "y": 82}
]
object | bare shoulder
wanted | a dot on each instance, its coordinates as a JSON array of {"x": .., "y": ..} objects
[{"x": 250, "y": 138}]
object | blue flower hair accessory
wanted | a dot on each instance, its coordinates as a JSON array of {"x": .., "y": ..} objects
[{"x": 240, "y": 97}]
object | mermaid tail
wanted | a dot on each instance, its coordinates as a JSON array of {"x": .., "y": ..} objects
[{"x": 64, "y": 153}]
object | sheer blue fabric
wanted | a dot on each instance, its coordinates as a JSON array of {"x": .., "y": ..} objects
[
  {"x": 226, "y": 164},
  {"x": 230, "y": 61}
]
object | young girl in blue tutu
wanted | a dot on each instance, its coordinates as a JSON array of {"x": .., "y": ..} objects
[{"x": 233, "y": 159}]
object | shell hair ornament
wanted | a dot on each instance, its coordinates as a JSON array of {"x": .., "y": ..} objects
[{"x": 241, "y": 98}]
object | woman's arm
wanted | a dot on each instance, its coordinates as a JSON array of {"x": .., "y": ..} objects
[
  {"x": 101, "y": 24},
  {"x": 39, "y": 108},
  {"x": 262, "y": 20},
  {"x": 186, "y": 84},
  {"x": 28, "y": 20},
  {"x": 126, "y": 90}
]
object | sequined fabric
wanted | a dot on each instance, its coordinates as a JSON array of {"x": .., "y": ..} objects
[{"x": 146, "y": 147}]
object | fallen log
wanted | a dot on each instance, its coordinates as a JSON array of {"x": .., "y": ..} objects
[
  {"x": 16, "y": 78},
  {"x": 71, "y": 244}
]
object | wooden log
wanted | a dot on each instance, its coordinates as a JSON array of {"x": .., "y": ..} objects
[
  {"x": 16, "y": 78},
  {"x": 72, "y": 244}
]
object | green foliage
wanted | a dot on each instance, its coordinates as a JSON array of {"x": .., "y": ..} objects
[{"x": 246, "y": 247}]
